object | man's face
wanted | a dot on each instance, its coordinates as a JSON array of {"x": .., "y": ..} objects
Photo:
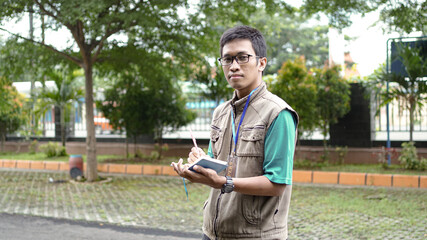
[{"x": 246, "y": 76}]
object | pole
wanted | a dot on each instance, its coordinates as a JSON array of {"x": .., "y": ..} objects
[{"x": 388, "y": 145}]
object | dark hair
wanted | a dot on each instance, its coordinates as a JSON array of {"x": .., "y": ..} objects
[{"x": 245, "y": 32}]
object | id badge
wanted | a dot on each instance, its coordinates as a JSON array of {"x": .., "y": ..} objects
[{"x": 232, "y": 165}]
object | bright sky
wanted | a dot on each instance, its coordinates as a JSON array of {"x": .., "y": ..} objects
[{"x": 368, "y": 50}]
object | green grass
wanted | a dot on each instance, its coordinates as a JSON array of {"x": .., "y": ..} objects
[
  {"x": 42, "y": 157},
  {"x": 359, "y": 213},
  {"x": 101, "y": 158}
]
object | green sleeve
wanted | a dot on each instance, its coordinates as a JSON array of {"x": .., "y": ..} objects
[
  {"x": 279, "y": 148},
  {"x": 210, "y": 153}
]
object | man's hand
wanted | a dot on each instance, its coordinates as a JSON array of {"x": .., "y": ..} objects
[
  {"x": 195, "y": 154},
  {"x": 202, "y": 175}
]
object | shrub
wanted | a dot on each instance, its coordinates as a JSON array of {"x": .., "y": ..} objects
[
  {"x": 158, "y": 151},
  {"x": 382, "y": 156},
  {"x": 53, "y": 149},
  {"x": 341, "y": 152},
  {"x": 409, "y": 158},
  {"x": 32, "y": 148},
  {"x": 309, "y": 164}
]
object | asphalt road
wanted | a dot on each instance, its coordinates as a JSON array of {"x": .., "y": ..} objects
[{"x": 24, "y": 227}]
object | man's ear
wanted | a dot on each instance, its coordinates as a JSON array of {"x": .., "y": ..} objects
[{"x": 262, "y": 64}]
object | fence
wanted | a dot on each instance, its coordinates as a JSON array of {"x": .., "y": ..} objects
[{"x": 399, "y": 123}]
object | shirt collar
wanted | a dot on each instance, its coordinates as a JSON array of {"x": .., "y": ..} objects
[{"x": 239, "y": 104}]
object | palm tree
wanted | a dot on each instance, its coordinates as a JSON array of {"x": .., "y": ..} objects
[
  {"x": 410, "y": 89},
  {"x": 65, "y": 93}
]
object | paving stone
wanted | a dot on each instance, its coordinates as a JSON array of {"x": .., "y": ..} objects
[{"x": 135, "y": 201}]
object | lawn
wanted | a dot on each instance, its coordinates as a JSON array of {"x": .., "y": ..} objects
[{"x": 42, "y": 157}]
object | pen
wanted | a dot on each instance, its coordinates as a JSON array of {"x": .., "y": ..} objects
[{"x": 194, "y": 140}]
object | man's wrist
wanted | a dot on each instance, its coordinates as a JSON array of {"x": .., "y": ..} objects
[
  {"x": 228, "y": 187},
  {"x": 221, "y": 182}
]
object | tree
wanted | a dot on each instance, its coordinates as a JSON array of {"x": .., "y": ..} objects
[
  {"x": 125, "y": 105},
  {"x": 93, "y": 25},
  {"x": 297, "y": 87},
  {"x": 411, "y": 90},
  {"x": 12, "y": 114},
  {"x": 217, "y": 87},
  {"x": 96, "y": 26},
  {"x": 402, "y": 16},
  {"x": 333, "y": 98},
  {"x": 405, "y": 16},
  {"x": 167, "y": 108},
  {"x": 289, "y": 36},
  {"x": 29, "y": 67},
  {"x": 65, "y": 93},
  {"x": 145, "y": 107}
]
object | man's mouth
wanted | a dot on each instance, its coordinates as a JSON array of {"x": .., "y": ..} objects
[{"x": 235, "y": 76}]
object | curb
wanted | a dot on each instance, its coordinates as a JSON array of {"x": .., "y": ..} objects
[
  {"x": 299, "y": 176},
  {"x": 361, "y": 179}
]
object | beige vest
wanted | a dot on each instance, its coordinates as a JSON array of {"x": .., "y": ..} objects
[{"x": 235, "y": 215}]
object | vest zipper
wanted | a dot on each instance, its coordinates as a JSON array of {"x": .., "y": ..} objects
[
  {"x": 220, "y": 195},
  {"x": 216, "y": 216},
  {"x": 232, "y": 138}
]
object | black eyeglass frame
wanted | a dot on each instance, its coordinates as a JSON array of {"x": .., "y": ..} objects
[{"x": 235, "y": 58}]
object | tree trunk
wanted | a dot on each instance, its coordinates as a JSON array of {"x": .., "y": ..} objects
[
  {"x": 135, "y": 152},
  {"x": 160, "y": 142},
  {"x": 325, "y": 143},
  {"x": 62, "y": 114},
  {"x": 33, "y": 83},
  {"x": 411, "y": 120},
  {"x": 127, "y": 147},
  {"x": 91, "y": 171},
  {"x": 3, "y": 139},
  {"x": 2, "y": 135}
]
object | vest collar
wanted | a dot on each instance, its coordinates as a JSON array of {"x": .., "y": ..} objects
[{"x": 239, "y": 104}]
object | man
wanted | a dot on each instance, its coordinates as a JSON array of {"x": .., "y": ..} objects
[{"x": 255, "y": 132}]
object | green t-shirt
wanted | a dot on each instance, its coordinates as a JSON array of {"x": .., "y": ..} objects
[{"x": 279, "y": 148}]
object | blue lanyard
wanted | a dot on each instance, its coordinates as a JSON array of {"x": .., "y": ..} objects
[{"x": 236, "y": 135}]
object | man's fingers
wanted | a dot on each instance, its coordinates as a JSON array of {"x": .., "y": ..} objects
[
  {"x": 202, "y": 170},
  {"x": 198, "y": 151},
  {"x": 178, "y": 167},
  {"x": 195, "y": 154}
]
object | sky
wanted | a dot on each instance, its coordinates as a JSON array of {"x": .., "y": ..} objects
[{"x": 368, "y": 50}]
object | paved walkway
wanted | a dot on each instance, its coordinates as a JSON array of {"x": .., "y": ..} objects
[
  {"x": 158, "y": 202},
  {"x": 25, "y": 227}
]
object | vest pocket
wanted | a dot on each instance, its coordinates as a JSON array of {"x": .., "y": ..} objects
[
  {"x": 250, "y": 209},
  {"x": 216, "y": 139},
  {"x": 252, "y": 143}
]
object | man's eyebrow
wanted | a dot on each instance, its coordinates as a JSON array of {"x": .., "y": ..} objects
[{"x": 243, "y": 52}]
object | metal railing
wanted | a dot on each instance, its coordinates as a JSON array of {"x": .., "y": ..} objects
[{"x": 399, "y": 122}]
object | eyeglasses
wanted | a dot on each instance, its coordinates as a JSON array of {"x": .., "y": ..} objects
[{"x": 240, "y": 59}]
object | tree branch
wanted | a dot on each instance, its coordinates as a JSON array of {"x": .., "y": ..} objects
[
  {"x": 99, "y": 44},
  {"x": 51, "y": 14},
  {"x": 103, "y": 39},
  {"x": 67, "y": 56},
  {"x": 43, "y": 9},
  {"x": 54, "y": 8}
]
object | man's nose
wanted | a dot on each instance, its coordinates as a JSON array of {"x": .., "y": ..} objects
[{"x": 234, "y": 65}]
